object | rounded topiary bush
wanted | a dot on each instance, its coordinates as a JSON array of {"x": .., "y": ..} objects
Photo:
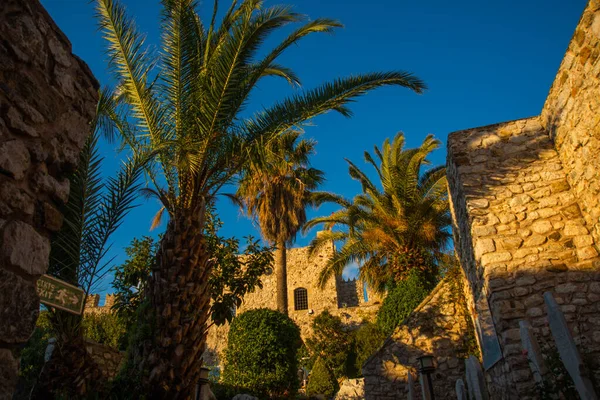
[
  {"x": 261, "y": 353},
  {"x": 321, "y": 383}
]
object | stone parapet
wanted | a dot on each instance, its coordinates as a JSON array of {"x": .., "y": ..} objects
[{"x": 47, "y": 100}]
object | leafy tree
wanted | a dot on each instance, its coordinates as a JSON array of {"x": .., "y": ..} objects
[
  {"x": 261, "y": 354},
  {"x": 405, "y": 225},
  {"x": 276, "y": 189},
  {"x": 401, "y": 301},
  {"x": 367, "y": 340},
  {"x": 234, "y": 272},
  {"x": 331, "y": 342},
  {"x": 132, "y": 276},
  {"x": 186, "y": 102},
  {"x": 321, "y": 382}
]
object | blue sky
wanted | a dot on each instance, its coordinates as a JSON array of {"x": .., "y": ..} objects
[{"x": 484, "y": 62}]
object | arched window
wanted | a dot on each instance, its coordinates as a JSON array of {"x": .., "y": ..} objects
[{"x": 300, "y": 299}]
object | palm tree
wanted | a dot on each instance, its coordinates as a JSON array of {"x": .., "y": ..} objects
[
  {"x": 95, "y": 210},
  {"x": 187, "y": 102},
  {"x": 275, "y": 189},
  {"x": 404, "y": 225}
]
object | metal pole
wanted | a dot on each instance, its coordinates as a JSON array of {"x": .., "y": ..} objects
[{"x": 430, "y": 384}]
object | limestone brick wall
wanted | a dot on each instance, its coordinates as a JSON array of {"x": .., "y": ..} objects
[
  {"x": 571, "y": 115},
  {"x": 47, "y": 99},
  {"x": 519, "y": 232},
  {"x": 303, "y": 271},
  {"x": 524, "y": 197},
  {"x": 439, "y": 326}
]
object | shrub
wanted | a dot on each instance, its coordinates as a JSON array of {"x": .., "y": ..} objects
[
  {"x": 401, "y": 301},
  {"x": 107, "y": 328},
  {"x": 367, "y": 339},
  {"x": 331, "y": 342},
  {"x": 322, "y": 382},
  {"x": 261, "y": 356},
  {"x": 32, "y": 356}
]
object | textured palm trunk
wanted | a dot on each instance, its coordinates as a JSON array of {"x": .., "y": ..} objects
[
  {"x": 281, "y": 275},
  {"x": 71, "y": 372},
  {"x": 179, "y": 298}
]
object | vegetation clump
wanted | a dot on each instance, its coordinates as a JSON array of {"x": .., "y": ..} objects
[
  {"x": 321, "y": 383},
  {"x": 261, "y": 356},
  {"x": 401, "y": 301},
  {"x": 331, "y": 342}
]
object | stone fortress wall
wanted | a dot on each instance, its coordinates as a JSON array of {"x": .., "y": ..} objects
[
  {"x": 526, "y": 213},
  {"x": 47, "y": 99},
  {"x": 344, "y": 298}
]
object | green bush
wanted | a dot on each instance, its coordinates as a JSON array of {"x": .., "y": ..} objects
[
  {"x": 32, "y": 356},
  {"x": 322, "y": 382},
  {"x": 367, "y": 339},
  {"x": 107, "y": 328},
  {"x": 261, "y": 355},
  {"x": 331, "y": 342},
  {"x": 401, "y": 301}
]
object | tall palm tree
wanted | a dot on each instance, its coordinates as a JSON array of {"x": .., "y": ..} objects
[
  {"x": 187, "y": 103},
  {"x": 404, "y": 225},
  {"x": 275, "y": 189}
]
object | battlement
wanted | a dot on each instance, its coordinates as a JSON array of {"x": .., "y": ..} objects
[{"x": 92, "y": 305}]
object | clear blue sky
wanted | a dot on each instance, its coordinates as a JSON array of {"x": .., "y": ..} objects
[{"x": 484, "y": 62}]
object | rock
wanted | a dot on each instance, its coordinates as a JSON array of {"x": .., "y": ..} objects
[
  {"x": 573, "y": 228},
  {"x": 24, "y": 248},
  {"x": 53, "y": 218},
  {"x": 351, "y": 389},
  {"x": 21, "y": 295},
  {"x": 484, "y": 246},
  {"x": 14, "y": 159},
  {"x": 8, "y": 373},
  {"x": 496, "y": 257},
  {"x": 244, "y": 397},
  {"x": 541, "y": 227}
]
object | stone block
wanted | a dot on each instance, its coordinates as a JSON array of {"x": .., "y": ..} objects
[
  {"x": 25, "y": 248},
  {"x": 8, "y": 373},
  {"x": 21, "y": 297},
  {"x": 14, "y": 158}
]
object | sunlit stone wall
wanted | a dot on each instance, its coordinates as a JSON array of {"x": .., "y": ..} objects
[
  {"x": 47, "y": 99},
  {"x": 525, "y": 206},
  {"x": 439, "y": 326}
]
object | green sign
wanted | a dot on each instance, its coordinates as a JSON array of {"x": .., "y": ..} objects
[{"x": 56, "y": 293}]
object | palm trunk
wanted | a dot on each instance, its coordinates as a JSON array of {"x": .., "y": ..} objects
[
  {"x": 179, "y": 305},
  {"x": 281, "y": 274},
  {"x": 71, "y": 372}
]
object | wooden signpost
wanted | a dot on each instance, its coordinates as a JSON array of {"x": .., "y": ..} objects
[{"x": 59, "y": 294}]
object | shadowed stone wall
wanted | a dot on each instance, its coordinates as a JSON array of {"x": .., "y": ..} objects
[
  {"x": 439, "y": 326},
  {"x": 525, "y": 206},
  {"x": 47, "y": 99}
]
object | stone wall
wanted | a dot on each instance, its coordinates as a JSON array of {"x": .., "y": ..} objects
[
  {"x": 571, "y": 115},
  {"x": 439, "y": 326},
  {"x": 524, "y": 200},
  {"x": 47, "y": 99},
  {"x": 302, "y": 271},
  {"x": 107, "y": 359}
]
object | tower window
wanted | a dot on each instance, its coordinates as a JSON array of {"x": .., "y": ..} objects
[{"x": 300, "y": 299}]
